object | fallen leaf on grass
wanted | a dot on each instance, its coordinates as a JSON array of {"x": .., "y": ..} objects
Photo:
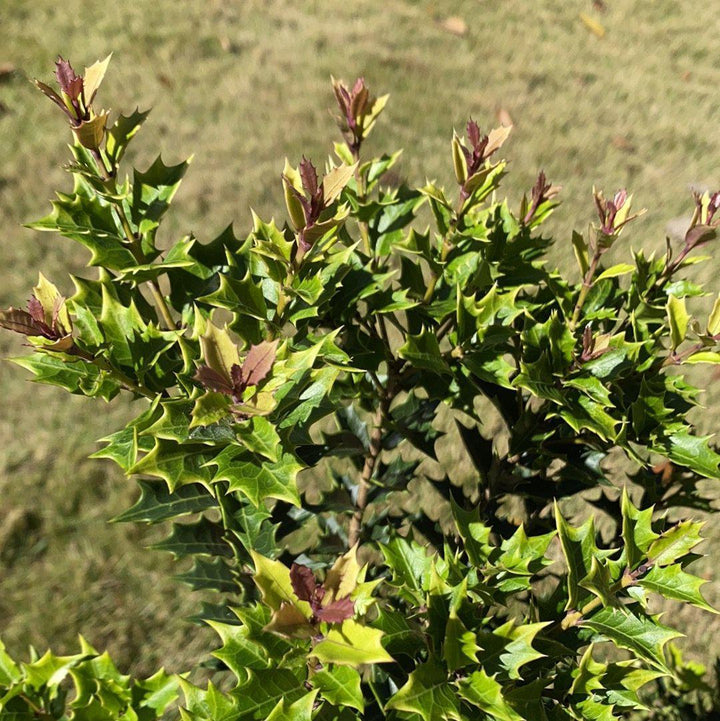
[
  {"x": 455, "y": 25},
  {"x": 622, "y": 143},
  {"x": 595, "y": 27}
]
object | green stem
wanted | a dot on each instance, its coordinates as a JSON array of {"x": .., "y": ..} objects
[
  {"x": 227, "y": 524},
  {"x": 132, "y": 239},
  {"x": 445, "y": 250},
  {"x": 127, "y": 382},
  {"x": 586, "y": 285},
  {"x": 362, "y": 197},
  {"x": 573, "y": 618}
]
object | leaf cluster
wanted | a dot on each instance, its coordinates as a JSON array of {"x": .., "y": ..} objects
[{"x": 292, "y": 386}]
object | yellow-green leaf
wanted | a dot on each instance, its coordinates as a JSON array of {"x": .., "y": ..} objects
[
  {"x": 352, "y": 644},
  {"x": 713, "y": 326},
  {"x": 616, "y": 270},
  {"x": 90, "y": 133},
  {"x": 93, "y": 77},
  {"x": 273, "y": 580},
  {"x": 336, "y": 180},
  {"x": 218, "y": 350},
  {"x": 678, "y": 319}
]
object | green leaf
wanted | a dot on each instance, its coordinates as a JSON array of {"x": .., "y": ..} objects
[
  {"x": 579, "y": 549},
  {"x": 9, "y": 671},
  {"x": 423, "y": 351},
  {"x": 713, "y": 325},
  {"x": 157, "y": 504},
  {"x": 212, "y": 574},
  {"x": 460, "y": 646},
  {"x": 176, "y": 463},
  {"x": 153, "y": 192},
  {"x": 615, "y": 271},
  {"x": 259, "y": 436},
  {"x": 637, "y": 530},
  {"x": 300, "y": 710},
  {"x": 509, "y": 647},
  {"x": 209, "y": 408},
  {"x": 78, "y": 377},
  {"x": 675, "y": 543},
  {"x": 201, "y": 537},
  {"x": 707, "y": 356},
  {"x": 87, "y": 219},
  {"x": 273, "y": 580},
  {"x": 486, "y": 693},
  {"x": 581, "y": 252},
  {"x": 121, "y": 133},
  {"x": 340, "y": 685},
  {"x": 257, "y": 697},
  {"x": 428, "y": 694},
  {"x": 218, "y": 350},
  {"x": 523, "y": 555},
  {"x": 156, "y": 693},
  {"x": 239, "y": 296},
  {"x": 238, "y": 651},
  {"x": 691, "y": 451},
  {"x": 352, "y": 644},
  {"x": 256, "y": 478},
  {"x": 334, "y": 182},
  {"x": 399, "y": 637},
  {"x": 599, "y": 581},
  {"x": 673, "y": 583},
  {"x": 678, "y": 319},
  {"x": 410, "y": 564},
  {"x": 641, "y": 635}
]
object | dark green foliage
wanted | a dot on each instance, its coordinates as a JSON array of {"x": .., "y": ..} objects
[{"x": 297, "y": 390}]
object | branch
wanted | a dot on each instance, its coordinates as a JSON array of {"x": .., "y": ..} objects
[{"x": 381, "y": 415}]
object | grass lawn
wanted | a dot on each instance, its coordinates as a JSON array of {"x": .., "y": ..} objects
[{"x": 624, "y": 96}]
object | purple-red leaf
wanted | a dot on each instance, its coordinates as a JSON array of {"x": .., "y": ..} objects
[
  {"x": 238, "y": 379},
  {"x": 303, "y": 582},
  {"x": 473, "y": 133},
  {"x": 699, "y": 234},
  {"x": 35, "y": 309},
  {"x": 19, "y": 321},
  {"x": 213, "y": 381},
  {"x": 70, "y": 83},
  {"x": 47, "y": 90},
  {"x": 308, "y": 176},
  {"x": 258, "y": 362},
  {"x": 337, "y": 611}
]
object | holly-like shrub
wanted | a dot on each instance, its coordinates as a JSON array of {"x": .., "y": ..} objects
[{"x": 365, "y": 423}]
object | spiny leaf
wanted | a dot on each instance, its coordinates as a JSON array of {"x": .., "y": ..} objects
[
  {"x": 486, "y": 693},
  {"x": 673, "y": 583},
  {"x": 157, "y": 504},
  {"x": 637, "y": 530},
  {"x": 641, "y": 635},
  {"x": 428, "y": 694},
  {"x": 352, "y": 644},
  {"x": 273, "y": 580},
  {"x": 218, "y": 350},
  {"x": 674, "y": 543},
  {"x": 340, "y": 685},
  {"x": 258, "y": 362}
]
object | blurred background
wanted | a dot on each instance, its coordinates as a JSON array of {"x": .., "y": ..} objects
[{"x": 611, "y": 92}]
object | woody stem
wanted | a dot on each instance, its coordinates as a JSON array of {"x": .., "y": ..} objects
[{"x": 373, "y": 453}]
